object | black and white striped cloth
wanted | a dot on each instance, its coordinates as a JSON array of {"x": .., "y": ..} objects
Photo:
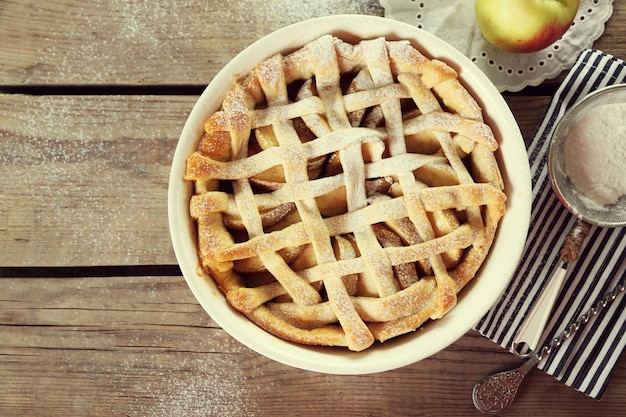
[{"x": 586, "y": 360}]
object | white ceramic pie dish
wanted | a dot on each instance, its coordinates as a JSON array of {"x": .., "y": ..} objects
[{"x": 474, "y": 301}]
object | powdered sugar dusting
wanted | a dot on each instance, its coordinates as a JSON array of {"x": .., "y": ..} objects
[
  {"x": 594, "y": 160},
  {"x": 158, "y": 42},
  {"x": 207, "y": 388},
  {"x": 90, "y": 172}
]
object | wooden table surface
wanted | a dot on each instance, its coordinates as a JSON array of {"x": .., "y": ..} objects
[{"x": 95, "y": 317}]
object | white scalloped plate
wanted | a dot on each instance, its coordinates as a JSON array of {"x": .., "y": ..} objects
[{"x": 454, "y": 22}]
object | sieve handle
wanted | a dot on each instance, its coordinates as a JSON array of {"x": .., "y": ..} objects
[{"x": 527, "y": 338}]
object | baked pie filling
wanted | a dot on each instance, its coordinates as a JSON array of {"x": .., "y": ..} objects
[{"x": 345, "y": 193}]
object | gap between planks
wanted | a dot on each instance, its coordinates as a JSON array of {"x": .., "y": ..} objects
[{"x": 89, "y": 271}]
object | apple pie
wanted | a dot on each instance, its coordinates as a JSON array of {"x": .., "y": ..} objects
[{"x": 344, "y": 193}]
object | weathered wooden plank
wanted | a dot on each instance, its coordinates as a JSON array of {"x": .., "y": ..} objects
[
  {"x": 130, "y": 42},
  {"x": 160, "y": 42},
  {"x": 84, "y": 179},
  {"x": 143, "y": 346}
]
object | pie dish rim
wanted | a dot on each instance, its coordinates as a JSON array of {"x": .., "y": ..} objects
[{"x": 474, "y": 301}]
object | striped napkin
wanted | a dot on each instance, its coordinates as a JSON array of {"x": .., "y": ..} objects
[{"x": 586, "y": 360}]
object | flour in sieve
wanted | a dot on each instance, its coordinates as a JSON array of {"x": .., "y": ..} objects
[{"x": 595, "y": 155}]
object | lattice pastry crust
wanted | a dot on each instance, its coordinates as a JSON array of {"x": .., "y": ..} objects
[{"x": 345, "y": 193}]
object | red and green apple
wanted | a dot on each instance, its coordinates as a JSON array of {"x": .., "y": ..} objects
[{"x": 524, "y": 25}]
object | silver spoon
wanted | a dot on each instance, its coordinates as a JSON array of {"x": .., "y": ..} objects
[
  {"x": 496, "y": 392},
  {"x": 579, "y": 205}
]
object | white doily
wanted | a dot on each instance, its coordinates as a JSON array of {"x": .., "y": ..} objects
[{"x": 454, "y": 22}]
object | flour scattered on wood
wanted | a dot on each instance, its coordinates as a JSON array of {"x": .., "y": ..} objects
[
  {"x": 101, "y": 163},
  {"x": 205, "y": 388},
  {"x": 159, "y": 42}
]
